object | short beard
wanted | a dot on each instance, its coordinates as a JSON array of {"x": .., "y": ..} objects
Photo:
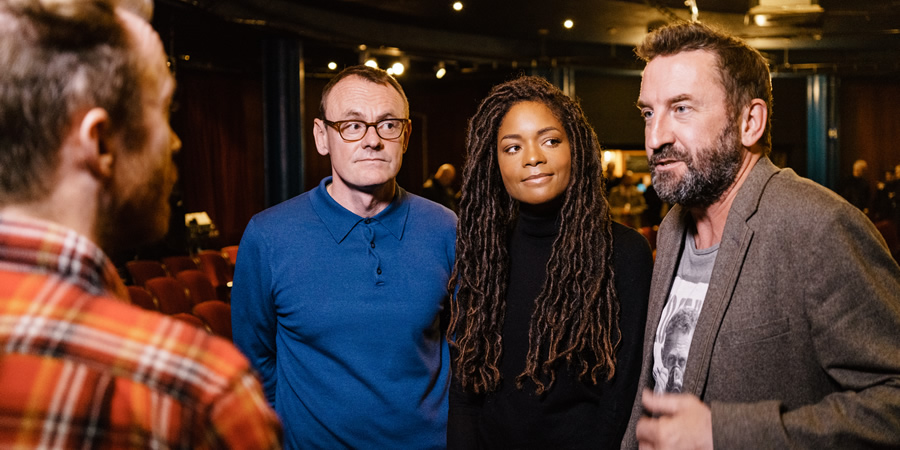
[
  {"x": 140, "y": 218},
  {"x": 710, "y": 171}
]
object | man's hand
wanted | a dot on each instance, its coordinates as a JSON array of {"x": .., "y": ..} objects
[{"x": 679, "y": 421}]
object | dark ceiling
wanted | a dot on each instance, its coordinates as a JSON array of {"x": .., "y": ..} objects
[{"x": 850, "y": 36}]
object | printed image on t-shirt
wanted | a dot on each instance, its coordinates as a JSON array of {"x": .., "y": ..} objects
[{"x": 675, "y": 333}]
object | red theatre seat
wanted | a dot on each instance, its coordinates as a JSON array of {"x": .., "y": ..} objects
[
  {"x": 172, "y": 296},
  {"x": 141, "y": 270},
  {"x": 175, "y": 264},
  {"x": 197, "y": 284},
  {"x": 217, "y": 316}
]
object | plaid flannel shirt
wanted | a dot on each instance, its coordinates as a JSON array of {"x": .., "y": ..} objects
[{"x": 80, "y": 368}]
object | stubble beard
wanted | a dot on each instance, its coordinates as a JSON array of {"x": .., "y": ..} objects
[
  {"x": 127, "y": 222},
  {"x": 710, "y": 171}
]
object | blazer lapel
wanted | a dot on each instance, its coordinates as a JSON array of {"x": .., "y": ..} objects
[
  {"x": 735, "y": 243},
  {"x": 668, "y": 251}
]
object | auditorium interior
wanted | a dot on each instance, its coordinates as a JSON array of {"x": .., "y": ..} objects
[{"x": 250, "y": 75}]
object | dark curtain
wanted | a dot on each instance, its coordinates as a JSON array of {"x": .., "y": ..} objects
[{"x": 220, "y": 122}]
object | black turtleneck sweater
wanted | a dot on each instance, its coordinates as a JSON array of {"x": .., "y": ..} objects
[{"x": 572, "y": 414}]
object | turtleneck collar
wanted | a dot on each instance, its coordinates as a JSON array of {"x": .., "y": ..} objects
[{"x": 543, "y": 221}]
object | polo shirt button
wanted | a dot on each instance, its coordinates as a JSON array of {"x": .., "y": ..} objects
[
  {"x": 372, "y": 244},
  {"x": 368, "y": 221},
  {"x": 378, "y": 271}
]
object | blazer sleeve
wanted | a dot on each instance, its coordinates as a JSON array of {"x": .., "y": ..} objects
[{"x": 852, "y": 305}]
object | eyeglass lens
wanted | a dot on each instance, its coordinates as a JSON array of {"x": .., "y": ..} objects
[{"x": 386, "y": 129}]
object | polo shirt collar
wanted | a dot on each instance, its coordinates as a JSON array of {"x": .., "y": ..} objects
[{"x": 340, "y": 221}]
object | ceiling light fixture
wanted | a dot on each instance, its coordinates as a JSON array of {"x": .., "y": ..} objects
[
  {"x": 397, "y": 69},
  {"x": 441, "y": 71},
  {"x": 457, "y": 6},
  {"x": 568, "y": 23},
  {"x": 332, "y": 65},
  {"x": 372, "y": 63},
  {"x": 800, "y": 13},
  {"x": 695, "y": 12}
]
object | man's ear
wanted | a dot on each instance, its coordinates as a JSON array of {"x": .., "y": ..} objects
[
  {"x": 753, "y": 122},
  {"x": 94, "y": 140},
  {"x": 407, "y": 133},
  {"x": 320, "y": 134}
]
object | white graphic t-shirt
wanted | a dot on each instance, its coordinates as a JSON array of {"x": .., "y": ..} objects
[{"x": 679, "y": 317}]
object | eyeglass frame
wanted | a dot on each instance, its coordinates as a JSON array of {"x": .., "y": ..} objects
[{"x": 336, "y": 125}]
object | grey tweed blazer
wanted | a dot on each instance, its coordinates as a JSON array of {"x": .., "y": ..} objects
[{"x": 798, "y": 342}]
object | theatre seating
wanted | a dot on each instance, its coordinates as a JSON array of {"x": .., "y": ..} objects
[
  {"x": 216, "y": 314},
  {"x": 175, "y": 264},
  {"x": 215, "y": 266},
  {"x": 142, "y": 270},
  {"x": 230, "y": 254},
  {"x": 175, "y": 284},
  {"x": 143, "y": 298},
  {"x": 171, "y": 294},
  {"x": 197, "y": 284},
  {"x": 191, "y": 319}
]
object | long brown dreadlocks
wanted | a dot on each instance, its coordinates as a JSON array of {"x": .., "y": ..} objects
[{"x": 575, "y": 320}]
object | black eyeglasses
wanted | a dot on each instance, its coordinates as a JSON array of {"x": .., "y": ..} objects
[{"x": 354, "y": 130}]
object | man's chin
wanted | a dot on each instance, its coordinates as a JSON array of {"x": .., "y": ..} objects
[{"x": 667, "y": 186}]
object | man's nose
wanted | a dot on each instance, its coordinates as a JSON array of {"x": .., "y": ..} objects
[
  {"x": 371, "y": 139},
  {"x": 657, "y": 133},
  {"x": 174, "y": 142}
]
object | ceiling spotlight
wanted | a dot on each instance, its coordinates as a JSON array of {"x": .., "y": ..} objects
[
  {"x": 398, "y": 68},
  {"x": 441, "y": 71},
  {"x": 372, "y": 63},
  {"x": 568, "y": 23},
  {"x": 457, "y": 6},
  {"x": 332, "y": 65}
]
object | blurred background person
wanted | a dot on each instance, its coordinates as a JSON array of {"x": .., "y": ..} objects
[
  {"x": 856, "y": 188},
  {"x": 884, "y": 204},
  {"x": 626, "y": 202},
  {"x": 439, "y": 187},
  {"x": 656, "y": 208}
]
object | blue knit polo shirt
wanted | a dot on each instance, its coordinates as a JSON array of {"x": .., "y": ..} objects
[{"x": 340, "y": 314}]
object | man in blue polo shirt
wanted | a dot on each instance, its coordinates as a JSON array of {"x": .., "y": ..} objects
[{"x": 338, "y": 292}]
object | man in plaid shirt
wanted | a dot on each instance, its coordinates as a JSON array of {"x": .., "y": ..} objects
[{"x": 86, "y": 163}]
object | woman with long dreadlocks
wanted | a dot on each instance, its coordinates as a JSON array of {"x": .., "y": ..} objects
[{"x": 551, "y": 295}]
